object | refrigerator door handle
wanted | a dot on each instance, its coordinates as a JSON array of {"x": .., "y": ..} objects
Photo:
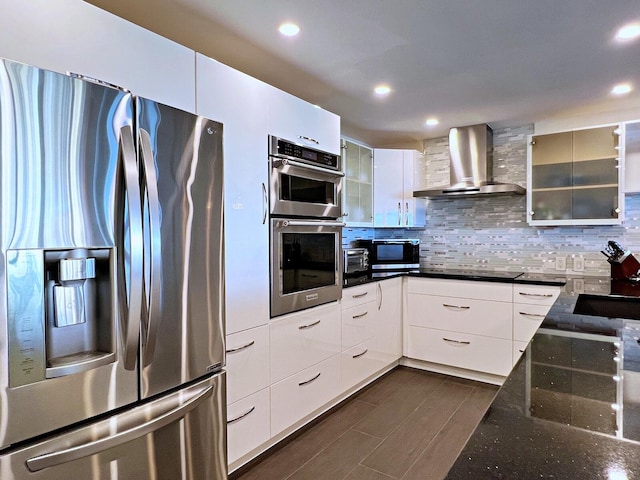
[
  {"x": 60, "y": 457},
  {"x": 131, "y": 316},
  {"x": 150, "y": 328}
]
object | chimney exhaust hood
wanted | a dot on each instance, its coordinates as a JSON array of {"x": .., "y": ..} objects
[{"x": 471, "y": 167}]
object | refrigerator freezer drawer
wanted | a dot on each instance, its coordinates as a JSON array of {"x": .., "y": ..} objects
[{"x": 180, "y": 436}]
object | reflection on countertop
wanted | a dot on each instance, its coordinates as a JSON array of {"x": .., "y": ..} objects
[{"x": 571, "y": 406}]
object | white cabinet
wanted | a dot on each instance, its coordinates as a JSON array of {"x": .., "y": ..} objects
[
  {"x": 74, "y": 36},
  {"x": 247, "y": 362},
  {"x": 531, "y": 303},
  {"x": 397, "y": 173},
  {"x": 303, "y": 339},
  {"x": 357, "y": 185},
  {"x": 464, "y": 324},
  {"x": 632, "y": 157},
  {"x": 301, "y": 122},
  {"x": 387, "y": 335},
  {"x": 248, "y": 424},
  {"x": 237, "y": 100}
]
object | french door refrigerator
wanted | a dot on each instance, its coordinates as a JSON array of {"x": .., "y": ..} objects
[{"x": 111, "y": 284}]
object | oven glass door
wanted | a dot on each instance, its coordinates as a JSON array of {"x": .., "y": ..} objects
[
  {"x": 306, "y": 265},
  {"x": 303, "y": 190}
]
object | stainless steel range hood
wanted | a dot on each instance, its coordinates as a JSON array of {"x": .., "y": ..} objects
[{"x": 471, "y": 173}]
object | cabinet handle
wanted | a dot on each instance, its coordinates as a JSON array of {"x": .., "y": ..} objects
[
  {"x": 345, "y": 214},
  {"x": 360, "y": 295},
  {"x": 360, "y": 315},
  {"x": 532, "y": 314},
  {"x": 406, "y": 214},
  {"x": 241, "y": 347},
  {"x": 459, "y": 307},
  {"x": 241, "y": 416},
  {"x": 265, "y": 202},
  {"x": 357, "y": 355},
  {"x": 399, "y": 213},
  {"x": 309, "y": 139},
  {"x": 544, "y": 295},
  {"x": 459, "y": 342},
  {"x": 380, "y": 292},
  {"x": 309, "y": 325},
  {"x": 310, "y": 380}
]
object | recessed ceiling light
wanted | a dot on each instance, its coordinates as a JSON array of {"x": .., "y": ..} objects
[
  {"x": 289, "y": 29},
  {"x": 382, "y": 90},
  {"x": 621, "y": 89},
  {"x": 628, "y": 32},
  {"x": 432, "y": 122}
]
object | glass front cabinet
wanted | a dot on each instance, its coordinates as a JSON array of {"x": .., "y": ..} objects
[
  {"x": 357, "y": 186},
  {"x": 574, "y": 177}
]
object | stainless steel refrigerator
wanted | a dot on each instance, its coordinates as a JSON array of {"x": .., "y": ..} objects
[{"x": 111, "y": 284}]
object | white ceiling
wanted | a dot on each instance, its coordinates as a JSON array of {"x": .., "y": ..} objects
[{"x": 502, "y": 62}]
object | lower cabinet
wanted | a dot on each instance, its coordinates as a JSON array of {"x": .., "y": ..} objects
[
  {"x": 297, "y": 396},
  {"x": 248, "y": 424},
  {"x": 360, "y": 362}
]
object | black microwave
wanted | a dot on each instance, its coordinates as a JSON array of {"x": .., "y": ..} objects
[{"x": 392, "y": 254}]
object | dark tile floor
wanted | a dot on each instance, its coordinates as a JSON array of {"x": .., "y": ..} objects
[{"x": 408, "y": 425}]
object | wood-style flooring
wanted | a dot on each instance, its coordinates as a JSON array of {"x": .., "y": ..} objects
[{"x": 407, "y": 425}]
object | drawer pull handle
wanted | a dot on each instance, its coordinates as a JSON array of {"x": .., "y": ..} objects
[
  {"x": 360, "y": 354},
  {"x": 303, "y": 327},
  {"x": 241, "y": 416},
  {"x": 544, "y": 295},
  {"x": 532, "y": 314},
  {"x": 360, "y": 295},
  {"x": 309, "y": 139},
  {"x": 459, "y": 307},
  {"x": 241, "y": 347},
  {"x": 310, "y": 380},
  {"x": 459, "y": 342},
  {"x": 360, "y": 315}
]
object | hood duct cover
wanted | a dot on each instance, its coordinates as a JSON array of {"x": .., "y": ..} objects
[{"x": 471, "y": 167}]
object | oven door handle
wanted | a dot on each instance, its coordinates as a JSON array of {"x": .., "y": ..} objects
[
  {"x": 302, "y": 223},
  {"x": 281, "y": 162}
]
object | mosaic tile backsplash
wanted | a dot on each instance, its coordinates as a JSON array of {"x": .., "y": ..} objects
[{"x": 492, "y": 233}]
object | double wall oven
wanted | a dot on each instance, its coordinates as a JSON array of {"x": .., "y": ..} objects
[{"x": 305, "y": 238}]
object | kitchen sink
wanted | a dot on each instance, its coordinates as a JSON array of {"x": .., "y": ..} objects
[{"x": 612, "y": 307}]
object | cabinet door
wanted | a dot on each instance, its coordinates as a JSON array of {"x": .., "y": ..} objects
[
  {"x": 414, "y": 209},
  {"x": 357, "y": 186},
  {"x": 387, "y": 334},
  {"x": 388, "y": 188},
  {"x": 248, "y": 424},
  {"x": 237, "y": 100},
  {"x": 294, "y": 119},
  {"x": 632, "y": 157},
  {"x": 74, "y": 36},
  {"x": 247, "y": 362}
]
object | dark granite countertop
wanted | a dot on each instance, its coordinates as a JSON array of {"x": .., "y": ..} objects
[{"x": 571, "y": 406}]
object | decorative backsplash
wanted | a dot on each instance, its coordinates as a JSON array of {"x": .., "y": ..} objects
[{"x": 492, "y": 233}]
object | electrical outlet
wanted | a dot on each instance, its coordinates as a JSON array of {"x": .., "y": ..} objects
[
  {"x": 561, "y": 264},
  {"x": 578, "y": 263}
]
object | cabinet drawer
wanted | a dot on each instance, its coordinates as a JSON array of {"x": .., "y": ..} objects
[
  {"x": 461, "y": 315},
  {"x": 359, "y": 295},
  {"x": 535, "y": 294},
  {"x": 359, "y": 362},
  {"x": 500, "y": 292},
  {"x": 304, "y": 339},
  {"x": 473, "y": 352},
  {"x": 248, "y": 424},
  {"x": 247, "y": 362},
  {"x": 526, "y": 320},
  {"x": 299, "y": 395},
  {"x": 358, "y": 323}
]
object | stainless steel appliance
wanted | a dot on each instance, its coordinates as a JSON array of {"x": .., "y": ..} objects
[
  {"x": 304, "y": 182},
  {"x": 306, "y": 268},
  {"x": 111, "y": 284},
  {"x": 392, "y": 255},
  {"x": 355, "y": 261}
]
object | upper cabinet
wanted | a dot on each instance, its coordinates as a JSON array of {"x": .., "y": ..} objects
[
  {"x": 574, "y": 177},
  {"x": 74, "y": 36},
  {"x": 397, "y": 174},
  {"x": 632, "y": 157},
  {"x": 302, "y": 122},
  {"x": 357, "y": 186}
]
